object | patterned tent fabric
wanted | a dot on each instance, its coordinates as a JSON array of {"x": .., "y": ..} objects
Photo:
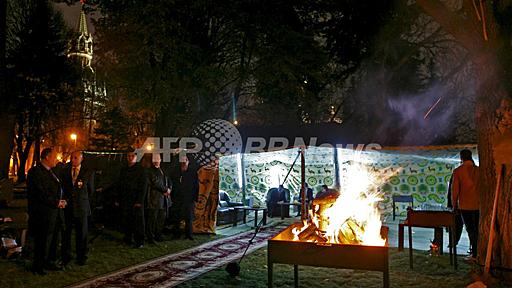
[
  {"x": 206, "y": 208},
  {"x": 422, "y": 172}
]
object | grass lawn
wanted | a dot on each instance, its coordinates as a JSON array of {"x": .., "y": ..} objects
[
  {"x": 107, "y": 254},
  {"x": 428, "y": 272}
]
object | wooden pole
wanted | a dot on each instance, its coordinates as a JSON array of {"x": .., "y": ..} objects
[{"x": 488, "y": 256}]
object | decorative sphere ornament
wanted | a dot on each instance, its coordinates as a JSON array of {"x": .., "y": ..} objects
[{"x": 219, "y": 137}]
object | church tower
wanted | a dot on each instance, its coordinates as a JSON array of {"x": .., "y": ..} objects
[
  {"x": 91, "y": 102},
  {"x": 82, "y": 46}
]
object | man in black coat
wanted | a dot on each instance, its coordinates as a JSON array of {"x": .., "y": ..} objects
[
  {"x": 45, "y": 203},
  {"x": 158, "y": 200},
  {"x": 185, "y": 195},
  {"x": 77, "y": 182},
  {"x": 131, "y": 192}
]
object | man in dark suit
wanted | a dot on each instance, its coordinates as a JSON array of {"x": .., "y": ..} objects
[
  {"x": 185, "y": 195},
  {"x": 157, "y": 200},
  {"x": 131, "y": 192},
  {"x": 45, "y": 203},
  {"x": 77, "y": 182}
]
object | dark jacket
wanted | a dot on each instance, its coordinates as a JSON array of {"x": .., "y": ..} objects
[
  {"x": 131, "y": 186},
  {"x": 44, "y": 191},
  {"x": 78, "y": 193},
  {"x": 158, "y": 183},
  {"x": 186, "y": 186}
]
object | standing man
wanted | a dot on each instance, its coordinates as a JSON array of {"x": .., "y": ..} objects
[
  {"x": 158, "y": 200},
  {"x": 185, "y": 194},
  {"x": 131, "y": 192},
  {"x": 465, "y": 197},
  {"x": 78, "y": 186},
  {"x": 45, "y": 202}
]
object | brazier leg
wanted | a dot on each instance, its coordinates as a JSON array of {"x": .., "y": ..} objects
[
  {"x": 270, "y": 272},
  {"x": 296, "y": 275}
]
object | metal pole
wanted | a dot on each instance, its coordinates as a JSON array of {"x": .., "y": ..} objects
[
  {"x": 337, "y": 183},
  {"x": 243, "y": 179},
  {"x": 304, "y": 210}
]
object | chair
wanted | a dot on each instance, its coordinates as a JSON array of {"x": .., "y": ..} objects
[
  {"x": 225, "y": 210},
  {"x": 401, "y": 199}
]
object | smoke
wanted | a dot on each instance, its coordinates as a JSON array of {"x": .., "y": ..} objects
[{"x": 418, "y": 127}]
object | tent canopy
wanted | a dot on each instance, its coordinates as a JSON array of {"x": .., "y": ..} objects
[{"x": 422, "y": 172}]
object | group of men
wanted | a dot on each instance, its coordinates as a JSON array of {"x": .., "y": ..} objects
[
  {"x": 58, "y": 204},
  {"x": 144, "y": 194}
]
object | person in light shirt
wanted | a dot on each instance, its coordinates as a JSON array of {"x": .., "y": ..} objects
[{"x": 465, "y": 196}]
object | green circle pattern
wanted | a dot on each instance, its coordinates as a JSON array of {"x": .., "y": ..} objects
[
  {"x": 312, "y": 181},
  {"x": 328, "y": 181},
  {"x": 431, "y": 180},
  {"x": 394, "y": 180},
  {"x": 412, "y": 180}
]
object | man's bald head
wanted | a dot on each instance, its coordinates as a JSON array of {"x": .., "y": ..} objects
[{"x": 76, "y": 158}]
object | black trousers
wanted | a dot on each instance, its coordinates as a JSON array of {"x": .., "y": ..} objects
[
  {"x": 80, "y": 225},
  {"x": 459, "y": 226},
  {"x": 42, "y": 224},
  {"x": 183, "y": 212},
  {"x": 133, "y": 225},
  {"x": 471, "y": 220},
  {"x": 155, "y": 219},
  {"x": 58, "y": 233}
]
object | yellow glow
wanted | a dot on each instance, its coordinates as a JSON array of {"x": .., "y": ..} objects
[
  {"x": 59, "y": 157},
  {"x": 235, "y": 122},
  {"x": 354, "y": 218},
  {"x": 149, "y": 147},
  {"x": 73, "y": 136}
]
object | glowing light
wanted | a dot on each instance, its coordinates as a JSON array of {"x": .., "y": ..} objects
[
  {"x": 73, "y": 136},
  {"x": 59, "y": 157},
  {"x": 149, "y": 147},
  {"x": 235, "y": 122},
  {"x": 353, "y": 217}
]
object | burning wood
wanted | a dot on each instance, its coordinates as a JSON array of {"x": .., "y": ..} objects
[{"x": 349, "y": 217}]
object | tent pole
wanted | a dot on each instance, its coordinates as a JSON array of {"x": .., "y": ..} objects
[
  {"x": 304, "y": 210},
  {"x": 336, "y": 169},
  {"x": 243, "y": 179}
]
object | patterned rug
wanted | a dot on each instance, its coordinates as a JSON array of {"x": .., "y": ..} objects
[{"x": 171, "y": 270}]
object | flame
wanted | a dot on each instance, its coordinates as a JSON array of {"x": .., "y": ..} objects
[{"x": 354, "y": 217}]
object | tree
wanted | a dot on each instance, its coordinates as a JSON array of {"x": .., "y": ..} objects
[
  {"x": 484, "y": 30},
  {"x": 6, "y": 120},
  {"x": 41, "y": 79},
  {"x": 276, "y": 61}
]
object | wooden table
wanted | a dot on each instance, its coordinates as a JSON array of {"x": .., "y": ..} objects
[
  {"x": 247, "y": 208},
  {"x": 428, "y": 219}
]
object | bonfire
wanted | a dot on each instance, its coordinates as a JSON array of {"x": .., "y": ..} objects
[{"x": 350, "y": 216}]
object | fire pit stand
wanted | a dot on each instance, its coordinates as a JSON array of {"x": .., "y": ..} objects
[{"x": 282, "y": 249}]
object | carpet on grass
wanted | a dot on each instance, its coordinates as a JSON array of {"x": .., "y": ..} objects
[{"x": 173, "y": 269}]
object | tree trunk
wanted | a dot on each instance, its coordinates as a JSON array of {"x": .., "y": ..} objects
[
  {"x": 23, "y": 153},
  {"x": 37, "y": 151},
  {"x": 491, "y": 129}
]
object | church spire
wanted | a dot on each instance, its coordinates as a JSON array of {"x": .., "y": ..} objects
[{"x": 81, "y": 47}]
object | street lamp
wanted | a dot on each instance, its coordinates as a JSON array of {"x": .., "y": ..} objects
[{"x": 73, "y": 137}]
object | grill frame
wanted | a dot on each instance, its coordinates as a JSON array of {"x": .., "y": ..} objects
[{"x": 283, "y": 250}]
